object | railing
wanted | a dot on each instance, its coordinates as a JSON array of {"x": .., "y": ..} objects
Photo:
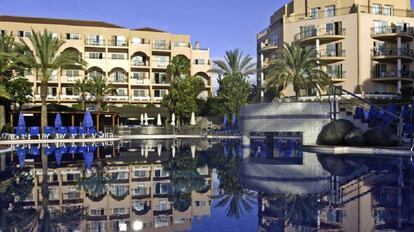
[
  {"x": 139, "y": 63},
  {"x": 335, "y": 107},
  {"x": 332, "y": 53},
  {"x": 393, "y": 52},
  {"x": 161, "y": 46},
  {"x": 263, "y": 32},
  {"x": 319, "y": 32},
  {"x": 118, "y": 43},
  {"x": 394, "y": 74},
  {"x": 336, "y": 74},
  {"x": 95, "y": 42},
  {"x": 321, "y": 14},
  {"x": 391, "y": 30}
]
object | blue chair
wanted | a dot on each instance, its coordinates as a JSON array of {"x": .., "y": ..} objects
[
  {"x": 73, "y": 131},
  {"x": 34, "y": 131},
  {"x": 34, "y": 150},
  {"x": 81, "y": 149},
  {"x": 50, "y": 149},
  {"x": 82, "y": 132},
  {"x": 279, "y": 145},
  {"x": 62, "y": 132},
  {"x": 288, "y": 149},
  {"x": 359, "y": 113},
  {"x": 72, "y": 150},
  {"x": 93, "y": 133},
  {"x": 49, "y": 131},
  {"x": 21, "y": 132}
]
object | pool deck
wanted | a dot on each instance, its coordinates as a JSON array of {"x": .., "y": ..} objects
[
  {"x": 45, "y": 141},
  {"x": 366, "y": 151},
  {"x": 172, "y": 136}
]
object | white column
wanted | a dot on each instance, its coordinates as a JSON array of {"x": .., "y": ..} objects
[
  {"x": 317, "y": 47},
  {"x": 399, "y": 87},
  {"x": 399, "y": 65}
]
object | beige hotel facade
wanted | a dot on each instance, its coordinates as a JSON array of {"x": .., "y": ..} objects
[
  {"x": 133, "y": 60},
  {"x": 367, "y": 45}
]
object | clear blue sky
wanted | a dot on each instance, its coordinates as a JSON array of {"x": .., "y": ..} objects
[{"x": 218, "y": 24}]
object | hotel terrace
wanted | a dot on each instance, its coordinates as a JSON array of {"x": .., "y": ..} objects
[
  {"x": 133, "y": 60},
  {"x": 366, "y": 44}
]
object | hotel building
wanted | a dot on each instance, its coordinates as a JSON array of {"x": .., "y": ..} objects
[
  {"x": 133, "y": 60},
  {"x": 366, "y": 45}
]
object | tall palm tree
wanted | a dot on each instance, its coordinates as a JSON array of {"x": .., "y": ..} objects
[
  {"x": 82, "y": 87},
  {"x": 9, "y": 64},
  {"x": 235, "y": 63},
  {"x": 179, "y": 66},
  {"x": 100, "y": 87},
  {"x": 298, "y": 66}
]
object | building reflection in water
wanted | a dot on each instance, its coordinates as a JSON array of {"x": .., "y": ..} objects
[
  {"x": 134, "y": 186},
  {"x": 330, "y": 193}
]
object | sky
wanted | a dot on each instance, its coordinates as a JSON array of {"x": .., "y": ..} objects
[{"x": 218, "y": 24}]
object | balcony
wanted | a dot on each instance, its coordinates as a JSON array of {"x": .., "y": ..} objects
[
  {"x": 161, "y": 82},
  {"x": 161, "y": 47},
  {"x": 157, "y": 98},
  {"x": 337, "y": 75},
  {"x": 324, "y": 35},
  {"x": 269, "y": 46},
  {"x": 95, "y": 42},
  {"x": 139, "y": 64},
  {"x": 118, "y": 98},
  {"x": 391, "y": 33},
  {"x": 393, "y": 54},
  {"x": 69, "y": 97},
  {"x": 390, "y": 76},
  {"x": 332, "y": 55},
  {"x": 118, "y": 43},
  {"x": 140, "y": 81}
]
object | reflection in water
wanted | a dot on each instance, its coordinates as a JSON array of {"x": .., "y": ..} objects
[{"x": 168, "y": 185}]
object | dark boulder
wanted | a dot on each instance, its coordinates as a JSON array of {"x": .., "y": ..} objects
[
  {"x": 335, "y": 132},
  {"x": 381, "y": 137},
  {"x": 336, "y": 165},
  {"x": 355, "y": 137}
]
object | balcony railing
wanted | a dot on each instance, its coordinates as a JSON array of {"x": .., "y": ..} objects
[
  {"x": 95, "y": 42},
  {"x": 391, "y": 30},
  {"x": 393, "y": 52},
  {"x": 141, "y": 98},
  {"x": 394, "y": 74},
  {"x": 118, "y": 98},
  {"x": 160, "y": 82},
  {"x": 331, "y": 53},
  {"x": 139, "y": 63},
  {"x": 336, "y": 74},
  {"x": 118, "y": 43},
  {"x": 161, "y": 46},
  {"x": 319, "y": 32}
]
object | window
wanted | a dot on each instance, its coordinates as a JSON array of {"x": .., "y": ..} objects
[
  {"x": 140, "y": 190},
  {"x": 307, "y": 31},
  {"x": 160, "y": 173},
  {"x": 118, "y": 76},
  {"x": 95, "y": 73},
  {"x": 122, "y": 92},
  {"x": 162, "y": 59},
  {"x": 161, "y": 221},
  {"x": 160, "y": 92},
  {"x": 73, "y": 195},
  {"x": 95, "y": 55},
  {"x": 118, "y": 56},
  {"x": 53, "y": 92},
  {"x": 164, "y": 205},
  {"x": 402, "y": 27},
  {"x": 141, "y": 173},
  {"x": 139, "y": 205},
  {"x": 53, "y": 193},
  {"x": 136, "y": 40},
  {"x": 160, "y": 45},
  {"x": 119, "y": 190},
  {"x": 118, "y": 41},
  {"x": 162, "y": 188},
  {"x": 376, "y": 9},
  {"x": 330, "y": 11},
  {"x": 138, "y": 61},
  {"x": 118, "y": 211},
  {"x": 95, "y": 40},
  {"x": 70, "y": 91},
  {"x": 97, "y": 212},
  {"x": 380, "y": 70},
  {"x": 388, "y": 10},
  {"x": 121, "y": 175},
  {"x": 200, "y": 62},
  {"x": 380, "y": 27},
  {"x": 314, "y": 12},
  {"x": 160, "y": 78},
  {"x": 379, "y": 48},
  {"x": 141, "y": 93},
  {"x": 72, "y": 72},
  {"x": 139, "y": 75},
  {"x": 97, "y": 226},
  {"x": 24, "y": 33},
  {"x": 72, "y": 36},
  {"x": 334, "y": 71},
  {"x": 181, "y": 44}
]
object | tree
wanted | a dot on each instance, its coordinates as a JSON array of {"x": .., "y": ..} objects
[
  {"x": 233, "y": 92},
  {"x": 235, "y": 64},
  {"x": 179, "y": 66},
  {"x": 182, "y": 96},
  {"x": 9, "y": 64},
  {"x": 82, "y": 87},
  {"x": 100, "y": 87},
  {"x": 298, "y": 66},
  {"x": 20, "y": 90}
]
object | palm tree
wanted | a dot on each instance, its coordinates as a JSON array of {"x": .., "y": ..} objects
[
  {"x": 100, "y": 87},
  {"x": 8, "y": 58},
  {"x": 82, "y": 87},
  {"x": 179, "y": 66},
  {"x": 235, "y": 63},
  {"x": 298, "y": 66},
  {"x": 45, "y": 59}
]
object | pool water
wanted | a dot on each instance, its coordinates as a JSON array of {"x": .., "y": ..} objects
[{"x": 201, "y": 185}]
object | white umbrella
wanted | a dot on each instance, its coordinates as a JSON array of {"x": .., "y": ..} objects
[
  {"x": 173, "y": 119},
  {"x": 192, "y": 121},
  {"x": 142, "y": 120},
  {"x": 193, "y": 150},
  {"x": 146, "y": 119},
  {"x": 159, "y": 123},
  {"x": 159, "y": 149},
  {"x": 142, "y": 151},
  {"x": 173, "y": 151}
]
